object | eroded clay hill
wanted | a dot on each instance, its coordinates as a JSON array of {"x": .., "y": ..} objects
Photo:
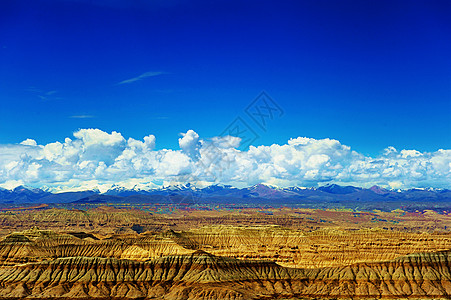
[
  {"x": 107, "y": 253},
  {"x": 326, "y": 247},
  {"x": 203, "y": 276},
  {"x": 36, "y": 245},
  {"x": 287, "y": 247}
]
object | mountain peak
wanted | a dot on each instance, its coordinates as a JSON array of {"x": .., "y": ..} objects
[
  {"x": 338, "y": 189},
  {"x": 23, "y": 188},
  {"x": 378, "y": 190}
]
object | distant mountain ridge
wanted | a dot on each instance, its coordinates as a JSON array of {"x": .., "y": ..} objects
[
  {"x": 22, "y": 194},
  {"x": 261, "y": 193}
]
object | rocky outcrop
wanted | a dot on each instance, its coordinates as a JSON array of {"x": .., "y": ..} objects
[
  {"x": 225, "y": 262},
  {"x": 288, "y": 248},
  {"x": 37, "y": 245},
  {"x": 200, "y": 275},
  {"x": 329, "y": 247}
]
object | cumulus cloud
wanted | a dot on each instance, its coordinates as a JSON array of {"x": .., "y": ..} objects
[
  {"x": 93, "y": 158},
  {"x": 29, "y": 142},
  {"x": 189, "y": 143}
]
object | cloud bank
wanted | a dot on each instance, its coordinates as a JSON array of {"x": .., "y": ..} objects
[{"x": 94, "y": 158}]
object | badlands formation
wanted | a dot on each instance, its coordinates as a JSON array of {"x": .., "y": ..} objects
[{"x": 108, "y": 253}]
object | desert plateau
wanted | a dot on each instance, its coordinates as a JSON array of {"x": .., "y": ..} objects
[{"x": 190, "y": 251}]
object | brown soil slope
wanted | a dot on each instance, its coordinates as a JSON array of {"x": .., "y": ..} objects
[
  {"x": 203, "y": 276},
  {"x": 287, "y": 247},
  {"x": 108, "y": 253},
  {"x": 322, "y": 248}
]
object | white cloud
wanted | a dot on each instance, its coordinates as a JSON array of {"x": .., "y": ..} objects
[
  {"x": 142, "y": 76},
  {"x": 411, "y": 153},
  {"x": 81, "y": 117},
  {"x": 11, "y": 184},
  {"x": 95, "y": 158},
  {"x": 189, "y": 143},
  {"x": 29, "y": 142},
  {"x": 98, "y": 137}
]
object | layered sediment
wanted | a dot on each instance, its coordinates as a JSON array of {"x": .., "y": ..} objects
[
  {"x": 123, "y": 254},
  {"x": 200, "y": 275}
]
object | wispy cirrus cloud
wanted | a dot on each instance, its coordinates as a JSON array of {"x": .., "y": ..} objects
[
  {"x": 82, "y": 117},
  {"x": 44, "y": 95},
  {"x": 142, "y": 76}
]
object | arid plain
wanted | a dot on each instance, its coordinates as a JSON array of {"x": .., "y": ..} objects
[{"x": 245, "y": 253}]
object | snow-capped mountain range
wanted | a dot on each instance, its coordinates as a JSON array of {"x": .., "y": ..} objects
[{"x": 328, "y": 193}]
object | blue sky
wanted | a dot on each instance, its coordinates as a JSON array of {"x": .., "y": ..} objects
[{"x": 370, "y": 74}]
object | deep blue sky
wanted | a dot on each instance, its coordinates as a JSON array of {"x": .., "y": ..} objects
[{"x": 371, "y": 74}]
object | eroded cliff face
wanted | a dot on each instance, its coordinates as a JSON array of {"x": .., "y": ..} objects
[
  {"x": 327, "y": 247},
  {"x": 36, "y": 245},
  {"x": 287, "y": 247},
  {"x": 200, "y": 275},
  {"x": 238, "y": 261}
]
